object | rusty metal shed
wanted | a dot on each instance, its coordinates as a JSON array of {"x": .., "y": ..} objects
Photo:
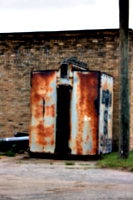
[{"x": 71, "y": 110}]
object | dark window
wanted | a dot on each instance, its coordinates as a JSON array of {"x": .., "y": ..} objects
[{"x": 64, "y": 70}]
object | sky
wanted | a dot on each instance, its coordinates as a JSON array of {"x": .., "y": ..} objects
[{"x": 56, "y": 15}]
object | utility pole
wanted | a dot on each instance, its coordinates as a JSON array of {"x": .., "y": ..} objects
[{"x": 124, "y": 113}]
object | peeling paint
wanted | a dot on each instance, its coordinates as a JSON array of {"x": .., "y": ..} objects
[
  {"x": 106, "y": 114},
  {"x": 84, "y": 113},
  {"x": 43, "y": 111}
]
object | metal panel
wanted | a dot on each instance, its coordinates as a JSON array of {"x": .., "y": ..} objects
[
  {"x": 84, "y": 113},
  {"x": 106, "y": 112},
  {"x": 64, "y": 81},
  {"x": 43, "y": 112}
]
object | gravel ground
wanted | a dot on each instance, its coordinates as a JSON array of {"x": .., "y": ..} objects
[{"x": 24, "y": 178}]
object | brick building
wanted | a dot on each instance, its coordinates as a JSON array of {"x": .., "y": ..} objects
[{"x": 21, "y": 52}]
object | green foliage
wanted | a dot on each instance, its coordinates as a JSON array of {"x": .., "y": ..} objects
[
  {"x": 70, "y": 163},
  {"x": 9, "y": 153},
  {"x": 69, "y": 168},
  {"x": 112, "y": 161},
  {"x": 84, "y": 164}
]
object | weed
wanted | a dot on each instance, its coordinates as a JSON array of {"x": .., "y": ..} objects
[
  {"x": 70, "y": 163},
  {"x": 9, "y": 153},
  {"x": 51, "y": 163},
  {"x": 84, "y": 164},
  {"x": 69, "y": 168}
]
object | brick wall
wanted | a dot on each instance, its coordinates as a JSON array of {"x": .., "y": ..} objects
[{"x": 20, "y": 52}]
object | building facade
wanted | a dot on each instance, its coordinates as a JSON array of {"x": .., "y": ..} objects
[{"x": 22, "y": 52}]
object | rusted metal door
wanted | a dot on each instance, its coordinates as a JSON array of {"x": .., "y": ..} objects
[
  {"x": 84, "y": 113},
  {"x": 106, "y": 112},
  {"x": 43, "y": 112}
]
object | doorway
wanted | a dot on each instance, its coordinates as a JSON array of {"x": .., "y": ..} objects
[{"x": 63, "y": 119}]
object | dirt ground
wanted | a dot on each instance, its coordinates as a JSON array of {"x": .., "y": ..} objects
[{"x": 24, "y": 178}]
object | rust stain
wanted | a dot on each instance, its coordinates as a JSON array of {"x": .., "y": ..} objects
[
  {"x": 110, "y": 128},
  {"x": 49, "y": 133},
  {"x": 35, "y": 97},
  {"x": 79, "y": 141},
  {"x": 87, "y": 92},
  {"x": 87, "y": 138},
  {"x": 110, "y": 88},
  {"x": 52, "y": 142},
  {"x": 40, "y": 96},
  {"x": 41, "y": 86},
  {"x": 44, "y": 132},
  {"x": 70, "y": 122},
  {"x": 70, "y": 67},
  {"x": 105, "y": 85},
  {"x": 47, "y": 98},
  {"x": 87, "y": 152},
  {"x": 50, "y": 111},
  {"x": 40, "y": 136},
  {"x": 30, "y": 121},
  {"x": 38, "y": 111},
  {"x": 50, "y": 90}
]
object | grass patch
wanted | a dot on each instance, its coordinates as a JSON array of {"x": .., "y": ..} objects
[
  {"x": 84, "y": 164},
  {"x": 73, "y": 168},
  {"x": 70, "y": 163},
  {"x": 9, "y": 153},
  {"x": 112, "y": 161}
]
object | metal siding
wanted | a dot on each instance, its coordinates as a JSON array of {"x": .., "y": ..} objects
[
  {"x": 84, "y": 113},
  {"x": 43, "y": 116},
  {"x": 106, "y": 114}
]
